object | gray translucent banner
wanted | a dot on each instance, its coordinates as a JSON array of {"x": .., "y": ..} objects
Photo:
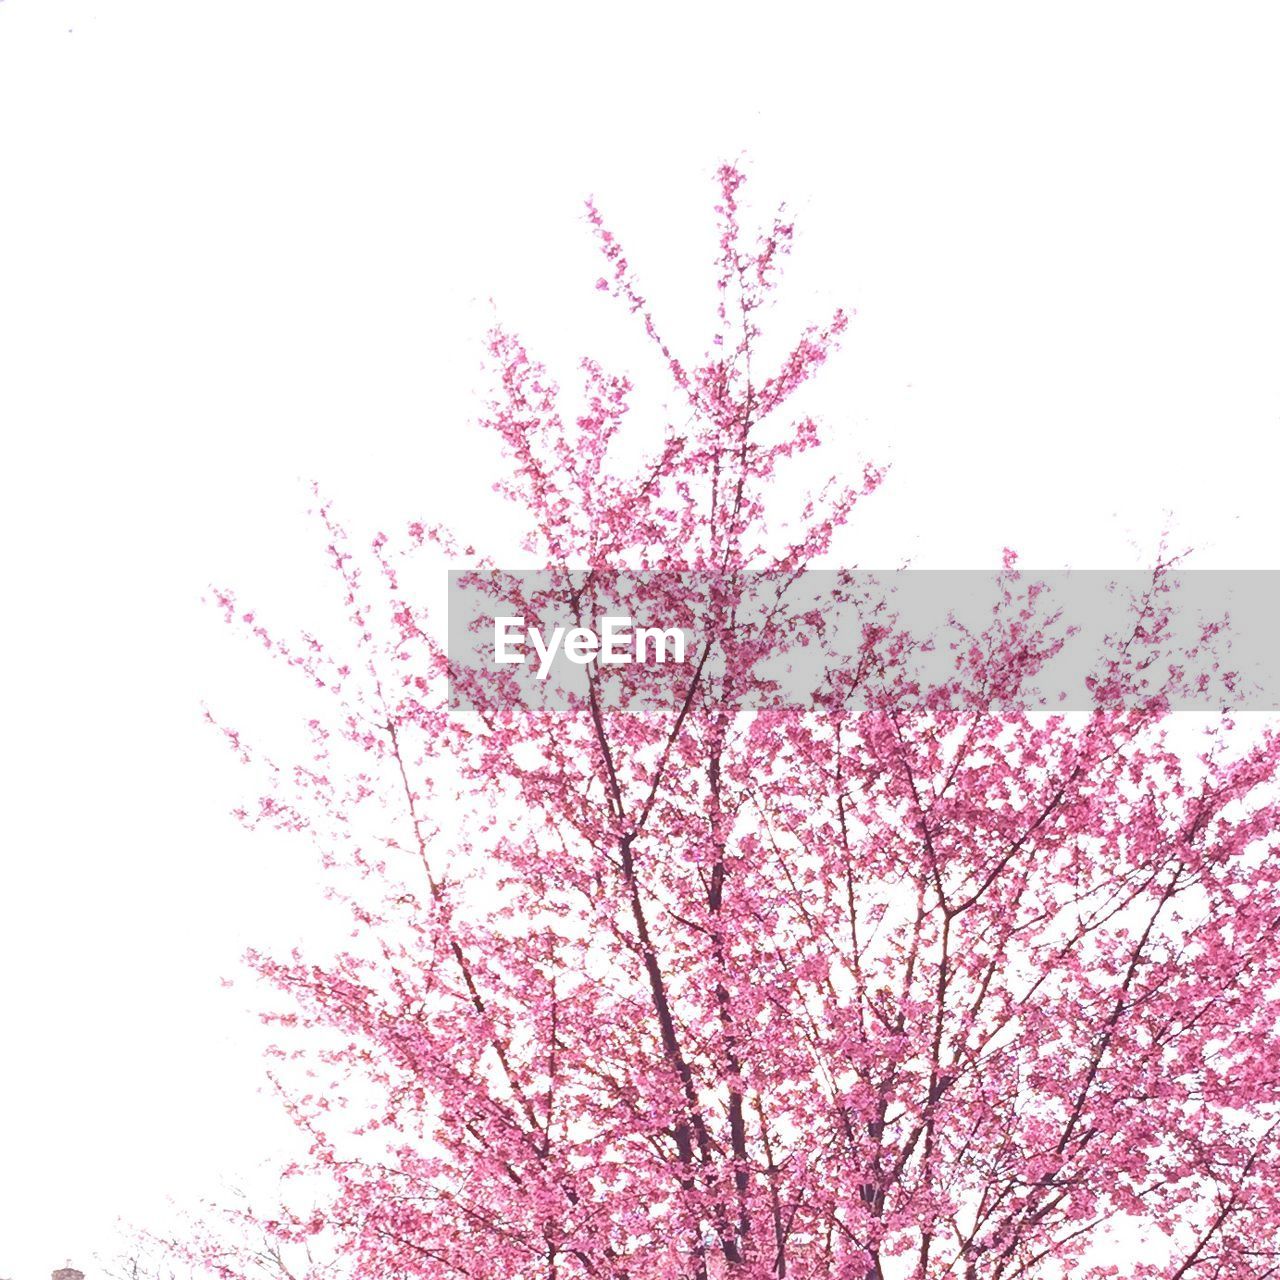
[{"x": 1200, "y": 640}]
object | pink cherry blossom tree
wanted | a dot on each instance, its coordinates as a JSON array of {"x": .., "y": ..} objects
[{"x": 897, "y": 982}]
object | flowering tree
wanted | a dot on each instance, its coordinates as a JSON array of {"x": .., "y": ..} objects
[{"x": 892, "y": 982}]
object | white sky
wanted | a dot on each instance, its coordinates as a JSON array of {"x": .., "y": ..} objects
[{"x": 252, "y": 241}]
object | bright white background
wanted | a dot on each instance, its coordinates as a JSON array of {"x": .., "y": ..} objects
[{"x": 250, "y": 242}]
